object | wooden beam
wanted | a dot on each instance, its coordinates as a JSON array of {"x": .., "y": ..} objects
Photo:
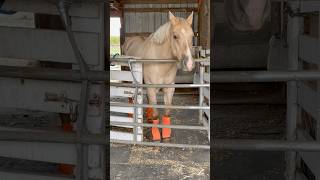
[
  {"x": 160, "y": 9},
  {"x": 115, "y": 13},
  {"x": 204, "y": 24},
  {"x": 157, "y": 1}
]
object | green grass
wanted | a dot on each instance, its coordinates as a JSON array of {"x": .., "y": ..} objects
[
  {"x": 114, "y": 40},
  {"x": 114, "y": 50},
  {"x": 114, "y": 45}
]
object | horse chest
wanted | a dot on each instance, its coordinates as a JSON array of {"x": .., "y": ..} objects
[{"x": 159, "y": 73}]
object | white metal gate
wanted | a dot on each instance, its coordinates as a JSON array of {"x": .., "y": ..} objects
[{"x": 136, "y": 88}]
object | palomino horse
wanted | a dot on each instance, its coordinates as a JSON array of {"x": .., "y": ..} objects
[
  {"x": 173, "y": 40},
  {"x": 247, "y": 15}
]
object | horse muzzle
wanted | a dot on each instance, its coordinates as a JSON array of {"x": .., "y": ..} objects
[{"x": 187, "y": 64}]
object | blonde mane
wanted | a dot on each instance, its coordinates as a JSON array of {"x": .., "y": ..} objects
[{"x": 161, "y": 34}]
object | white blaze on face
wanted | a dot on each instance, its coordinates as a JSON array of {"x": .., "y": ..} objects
[{"x": 189, "y": 60}]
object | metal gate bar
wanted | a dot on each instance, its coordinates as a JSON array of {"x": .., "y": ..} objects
[
  {"x": 51, "y": 74},
  {"x": 158, "y": 106},
  {"x": 136, "y": 85},
  {"x": 126, "y": 59},
  {"x": 216, "y": 76},
  {"x": 263, "y": 76},
  {"x": 160, "y": 85},
  {"x": 219, "y": 144},
  {"x": 160, "y": 126}
]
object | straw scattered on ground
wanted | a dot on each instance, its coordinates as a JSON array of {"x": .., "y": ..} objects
[{"x": 183, "y": 167}]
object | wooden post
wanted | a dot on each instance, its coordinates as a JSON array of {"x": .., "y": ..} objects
[{"x": 204, "y": 24}]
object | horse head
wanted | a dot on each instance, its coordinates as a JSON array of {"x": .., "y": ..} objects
[{"x": 181, "y": 35}]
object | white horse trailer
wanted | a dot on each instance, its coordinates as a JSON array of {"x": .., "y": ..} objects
[
  {"x": 83, "y": 45},
  {"x": 302, "y": 77}
]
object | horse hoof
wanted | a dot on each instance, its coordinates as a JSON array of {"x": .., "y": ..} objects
[{"x": 166, "y": 132}]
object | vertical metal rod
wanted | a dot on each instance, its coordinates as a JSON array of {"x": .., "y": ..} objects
[
  {"x": 135, "y": 134},
  {"x": 281, "y": 21},
  {"x": 292, "y": 93},
  {"x": 81, "y": 130},
  {"x": 82, "y": 150},
  {"x": 201, "y": 72},
  {"x": 63, "y": 8},
  {"x": 318, "y": 92}
]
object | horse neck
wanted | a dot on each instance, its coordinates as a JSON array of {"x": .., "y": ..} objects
[{"x": 159, "y": 51}]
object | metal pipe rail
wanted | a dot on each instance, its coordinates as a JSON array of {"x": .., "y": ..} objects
[
  {"x": 263, "y": 76},
  {"x": 160, "y": 85},
  {"x": 51, "y": 74},
  {"x": 216, "y": 76},
  {"x": 158, "y": 106},
  {"x": 127, "y": 59},
  {"x": 160, "y": 126},
  {"x": 217, "y": 144}
]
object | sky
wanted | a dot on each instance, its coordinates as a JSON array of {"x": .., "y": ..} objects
[{"x": 115, "y": 26}]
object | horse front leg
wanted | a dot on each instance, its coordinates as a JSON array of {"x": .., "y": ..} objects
[
  {"x": 153, "y": 114},
  {"x": 168, "y": 94},
  {"x": 152, "y": 100}
]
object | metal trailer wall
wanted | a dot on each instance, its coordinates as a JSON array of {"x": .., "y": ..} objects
[
  {"x": 71, "y": 46},
  {"x": 300, "y": 95}
]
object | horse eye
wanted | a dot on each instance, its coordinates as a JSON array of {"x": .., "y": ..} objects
[{"x": 175, "y": 37}]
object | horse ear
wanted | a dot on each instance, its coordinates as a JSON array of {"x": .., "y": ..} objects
[
  {"x": 190, "y": 19},
  {"x": 172, "y": 18}
]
